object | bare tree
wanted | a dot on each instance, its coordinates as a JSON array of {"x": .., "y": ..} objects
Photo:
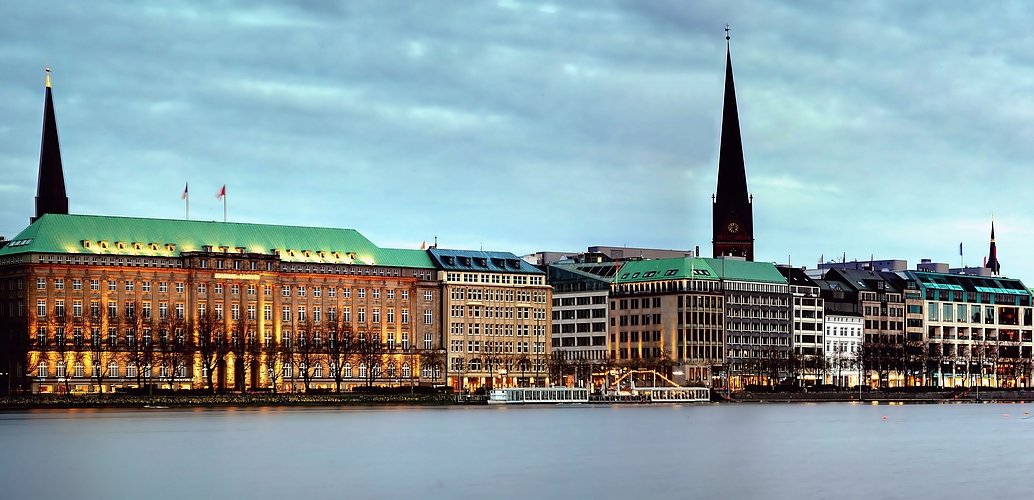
[
  {"x": 433, "y": 360},
  {"x": 212, "y": 346},
  {"x": 370, "y": 350},
  {"x": 273, "y": 353},
  {"x": 340, "y": 348},
  {"x": 308, "y": 350},
  {"x": 245, "y": 348}
]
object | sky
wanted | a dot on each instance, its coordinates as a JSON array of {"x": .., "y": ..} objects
[{"x": 886, "y": 129}]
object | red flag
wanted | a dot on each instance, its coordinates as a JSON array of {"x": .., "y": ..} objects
[
  {"x": 423, "y": 245},
  {"x": 222, "y": 193},
  {"x": 185, "y": 190}
]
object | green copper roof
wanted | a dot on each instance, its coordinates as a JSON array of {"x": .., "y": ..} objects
[
  {"x": 741, "y": 270},
  {"x": 635, "y": 271},
  {"x": 132, "y": 236}
]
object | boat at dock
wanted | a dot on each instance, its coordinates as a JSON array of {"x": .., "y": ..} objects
[{"x": 546, "y": 395}]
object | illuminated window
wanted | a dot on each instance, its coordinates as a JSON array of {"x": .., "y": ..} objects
[
  {"x": 348, "y": 370},
  {"x": 41, "y": 369}
]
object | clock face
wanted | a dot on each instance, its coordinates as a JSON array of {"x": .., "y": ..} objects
[{"x": 733, "y": 227}]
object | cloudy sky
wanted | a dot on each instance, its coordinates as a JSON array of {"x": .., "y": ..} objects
[{"x": 886, "y": 128}]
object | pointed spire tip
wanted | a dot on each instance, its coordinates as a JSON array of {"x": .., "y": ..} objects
[{"x": 48, "y": 76}]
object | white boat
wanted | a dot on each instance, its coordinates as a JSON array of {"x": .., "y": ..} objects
[
  {"x": 525, "y": 395},
  {"x": 674, "y": 394}
]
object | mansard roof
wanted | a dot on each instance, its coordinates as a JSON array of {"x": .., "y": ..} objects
[
  {"x": 635, "y": 271},
  {"x": 134, "y": 236},
  {"x": 968, "y": 283},
  {"x": 743, "y": 270},
  {"x": 480, "y": 261}
]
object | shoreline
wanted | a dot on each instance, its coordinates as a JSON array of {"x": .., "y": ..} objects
[{"x": 48, "y": 401}]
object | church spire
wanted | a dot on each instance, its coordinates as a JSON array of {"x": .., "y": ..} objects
[
  {"x": 992, "y": 254},
  {"x": 732, "y": 176},
  {"x": 50, "y": 187},
  {"x": 732, "y": 212}
]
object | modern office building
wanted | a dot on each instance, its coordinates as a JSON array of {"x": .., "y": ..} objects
[{"x": 807, "y": 329}]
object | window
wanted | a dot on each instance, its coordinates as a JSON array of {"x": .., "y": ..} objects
[
  {"x": 41, "y": 308},
  {"x": 251, "y": 290},
  {"x": 390, "y": 293},
  {"x": 301, "y": 290},
  {"x": 405, "y": 316},
  {"x": 129, "y": 286},
  {"x": 361, "y": 293},
  {"x": 77, "y": 284},
  {"x": 404, "y": 294},
  {"x": 201, "y": 288},
  {"x": 163, "y": 286},
  {"x": 316, "y": 291},
  {"x": 427, "y": 340},
  {"x": 285, "y": 291},
  {"x": 113, "y": 369},
  {"x": 285, "y": 313},
  {"x": 95, "y": 285},
  {"x": 376, "y": 315},
  {"x": 360, "y": 314},
  {"x": 218, "y": 288},
  {"x": 348, "y": 370},
  {"x": 41, "y": 284},
  {"x": 376, "y": 293},
  {"x": 112, "y": 285},
  {"x": 79, "y": 370},
  {"x": 146, "y": 286},
  {"x": 179, "y": 287},
  {"x": 235, "y": 289},
  {"x": 428, "y": 295},
  {"x": 428, "y": 318},
  {"x": 267, "y": 312}
]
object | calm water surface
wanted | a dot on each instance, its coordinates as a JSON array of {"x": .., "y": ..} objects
[{"x": 733, "y": 451}]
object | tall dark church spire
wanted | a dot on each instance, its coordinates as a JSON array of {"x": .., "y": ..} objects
[
  {"x": 50, "y": 187},
  {"x": 732, "y": 211},
  {"x": 992, "y": 254}
]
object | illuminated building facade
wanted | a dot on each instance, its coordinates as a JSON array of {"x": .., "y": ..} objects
[
  {"x": 92, "y": 303},
  {"x": 495, "y": 311},
  {"x": 668, "y": 314}
]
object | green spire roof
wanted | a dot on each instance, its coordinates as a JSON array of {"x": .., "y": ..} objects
[{"x": 132, "y": 236}]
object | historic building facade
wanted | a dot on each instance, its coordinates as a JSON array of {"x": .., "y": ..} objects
[
  {"x": 669, "y": 314},
  {"x": 97, "y": 303},
  {"x": 495, "y": 313}
]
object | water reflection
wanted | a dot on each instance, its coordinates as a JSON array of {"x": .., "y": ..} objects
[{"x": 731, "y": 451}]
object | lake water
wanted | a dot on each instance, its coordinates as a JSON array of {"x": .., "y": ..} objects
[{"x": 830, "y": 450}]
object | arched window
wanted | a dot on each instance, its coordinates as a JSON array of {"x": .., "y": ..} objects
[
  {"x": 390, "y": 370},
  {"x": 362, "y": 370},
  {"x": 60, "y": 369},
  {"x": 113, "y": 369},
  {"x": 317, "y": 370},
  {"x": 406, "y": 371},
  {"x": 41, "y": 369},
  {"x": 80, "y": 370},
  {"x": 348, "y": 370}
]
